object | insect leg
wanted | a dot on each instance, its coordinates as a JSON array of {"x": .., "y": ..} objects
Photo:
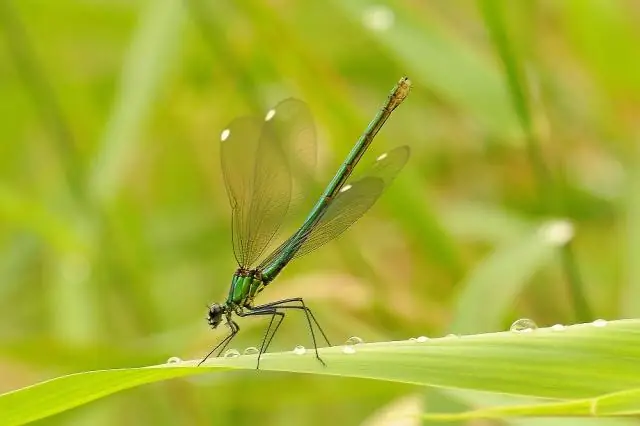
[
  {"x": 285, "y": 304},
  {"x": 234, "y": 330},
  {"x": 267, "y": 339}
]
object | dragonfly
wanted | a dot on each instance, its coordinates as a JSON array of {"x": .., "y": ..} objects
[{"x": 261, "y": 158}]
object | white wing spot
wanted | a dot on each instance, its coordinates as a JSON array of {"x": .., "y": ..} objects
[
  {"x": 382, "y": 157},
  {"x": 270, "y": 114},
  {"x": 225, "y": 135},
  {"x": 346, "y": 188}
]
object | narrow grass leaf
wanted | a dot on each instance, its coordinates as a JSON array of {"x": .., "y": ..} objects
[
  {"x": 578, "y": 362},
  {"x": 617, "y": 404}
]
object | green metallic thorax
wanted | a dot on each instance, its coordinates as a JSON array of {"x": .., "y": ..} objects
[{"x": 244, "y": 287}]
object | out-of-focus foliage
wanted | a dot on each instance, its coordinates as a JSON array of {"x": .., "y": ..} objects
[{"x": 114, "y": 222}]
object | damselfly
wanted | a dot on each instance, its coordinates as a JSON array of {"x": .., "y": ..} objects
[{"x": 261, "y": 158}]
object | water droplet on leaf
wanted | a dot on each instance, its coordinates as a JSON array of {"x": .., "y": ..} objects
[
  {"x": 349, "y": 350},
  {"x": 599, "y": 323},
  {"x": 523, "y": 325},
  {"x": 231, "y": 353},
  {"x": 354, "y": 340},
  {"x": 251, "y": 350}
]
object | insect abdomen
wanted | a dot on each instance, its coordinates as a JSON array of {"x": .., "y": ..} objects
[{"x": 255, "y": 287}]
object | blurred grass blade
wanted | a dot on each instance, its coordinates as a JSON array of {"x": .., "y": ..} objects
[
  {"x": 490, "y": 289},
  {"x": 594, "y": 27},
  {"x": 617, "y": 404},
  {"x": 408, "y": 408},
  {"x": 630, "y": 300},
  {"x": 449, "y": 67},
  {"x": 15, "y": 261},
  {"x": 540, "y": 363},
  {"x": 492, "y": 11},
  {"x": 152, "y": 51},
  {"x": 547, "y": 188},
  {"x": 27, "y": 214},
  {"x": 39, "y": 86},
  {"x": 419, "y": 220},
  {"x": 481, "y": 401},
  {"x": 493, "y": 224}
]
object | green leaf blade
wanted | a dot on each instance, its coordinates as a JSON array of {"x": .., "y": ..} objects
[{"x": 579, "y": 362}]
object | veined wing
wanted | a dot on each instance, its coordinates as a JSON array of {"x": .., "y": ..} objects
[
  {"x": 258, "y": 156},
  {"x": 354, "y": 200}
]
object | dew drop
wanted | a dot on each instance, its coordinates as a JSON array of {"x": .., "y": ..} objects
[
  {"x": 299, "y": 350},
  {"x": 599, "y": 323},
  {"x": 251, "y": 350},
  {"x": 382, "y": 157},
  {"x": 270, "y": 114},
  {"x": 413, "y": 339},
  {"x": 523, "y": 325},
  {"x": 353, "y": 340},
  {"x": 557, "y": 327},
  {"x": 451, "y": 336},
  {"x": 345, "y": 188},
  {"x": 174, "y": 360},
  {"x": 422, "y": 339},
  {"x": 231, "y": 353},
  {"x": 349, "y": 350},
  {"x": 348, "y": 347},
  {"x": 225, "y": 135}
]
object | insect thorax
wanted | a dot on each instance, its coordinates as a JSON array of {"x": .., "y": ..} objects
[{"x": 245, "y": 284}]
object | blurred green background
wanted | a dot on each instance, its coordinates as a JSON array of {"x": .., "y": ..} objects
[{"x": 114, "y": 222}]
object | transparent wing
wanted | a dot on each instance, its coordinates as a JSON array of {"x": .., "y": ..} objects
[
  {"x": 257, "y": 159},
  {"x": 353, "y": 201}
]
